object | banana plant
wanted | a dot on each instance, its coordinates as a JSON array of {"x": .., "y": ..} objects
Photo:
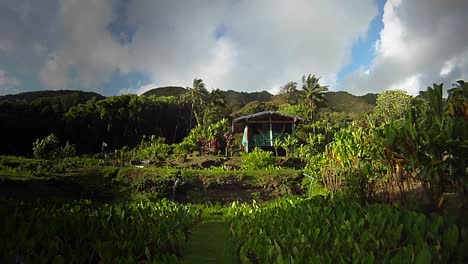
[{"x": 289, "y": 143}]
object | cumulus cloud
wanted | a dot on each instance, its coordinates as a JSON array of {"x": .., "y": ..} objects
[
  {"x": 241, "y": 45},
  {"x": 87, "y": 53},
  {"x": 422, "y": 42},
  {"x": 264, "y": 44},
  {"x": 8, "y": 84}
]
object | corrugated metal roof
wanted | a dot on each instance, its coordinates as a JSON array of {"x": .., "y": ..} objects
[{"x": 247, "y": 117}]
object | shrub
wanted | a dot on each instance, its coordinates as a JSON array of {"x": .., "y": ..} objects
[
  {"x": 152, "y": 148},
  {"x": 258, "y": 159}
]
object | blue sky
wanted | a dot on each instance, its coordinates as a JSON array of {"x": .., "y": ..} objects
[
  {"x": 363, "y": 50},
  {"x": 124, "y": 46}
]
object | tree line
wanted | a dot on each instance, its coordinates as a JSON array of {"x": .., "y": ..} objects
[
  {"x": 94, "y": 123},
  {"x": 116, "y": 121}
]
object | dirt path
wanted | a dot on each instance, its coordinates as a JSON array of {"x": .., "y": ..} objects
[{"x": 210, "y": 243}]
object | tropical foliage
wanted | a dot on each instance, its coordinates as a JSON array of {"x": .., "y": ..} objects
[
  {"x": 428, "y": 147},
  {"x": 335, "y": 230},
  {"x": 204, "y": 139},
  {"x": 432, "y": 146},
  {"x": 85, "y": 232},
  {"x": 49, "y": 148}
]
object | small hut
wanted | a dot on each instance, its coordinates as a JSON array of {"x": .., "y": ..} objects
[{"x": 261, "y": 129}]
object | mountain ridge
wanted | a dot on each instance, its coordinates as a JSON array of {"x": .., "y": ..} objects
[{"x": 336, "y": 101}]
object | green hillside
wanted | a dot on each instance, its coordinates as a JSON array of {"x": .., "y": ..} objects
[
  {"x": 236, "y": 100},
  {"x": 166, "y": 91},
  {"x": 348, "y": 103},
  {"x": 241, "y": 103}
]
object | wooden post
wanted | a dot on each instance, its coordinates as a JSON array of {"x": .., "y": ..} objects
[
  {"x": 247, "y": 138},
  {"x": 294, "y": 136},
  {"x": 271, "y": 133}
]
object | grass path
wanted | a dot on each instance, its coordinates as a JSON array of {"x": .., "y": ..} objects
[{"x": 210, "y": 243}]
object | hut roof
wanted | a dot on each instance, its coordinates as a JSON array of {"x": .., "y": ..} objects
[{"x": 277, "y": 117}]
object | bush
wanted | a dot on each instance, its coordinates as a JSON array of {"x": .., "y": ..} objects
[
  {"x": 81, "y": 162},
  {"x": 392, "y": 105},
  {"x": 184, "y": 148},
  {"x": 258, "y": 159}
]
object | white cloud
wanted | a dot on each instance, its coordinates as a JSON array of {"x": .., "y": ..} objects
[
  {"x": 8, "y": 84},
  {"x": 87, "y": 54},
  {"x": 422, "y": 42},
  {"x": 410, "y": 84},
  {"x": 267, "y": 43}
]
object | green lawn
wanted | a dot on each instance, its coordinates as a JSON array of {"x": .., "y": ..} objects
[{"x": 210, "y": 242}]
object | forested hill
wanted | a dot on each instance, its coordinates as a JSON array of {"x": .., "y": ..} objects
[
  {"x": 234, "y": 100},
  {"x": 348, "y": 103},
  {"x": 84, "y": 96},
  {"x": 237, "y": 100},
  {"x": 166, "y": 91},
  {"x": 335, "y": 101}
]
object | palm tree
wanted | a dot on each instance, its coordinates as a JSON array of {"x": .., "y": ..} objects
[
  {"x": 197, "y": 96},
  {"x": 314, "y": 92}
]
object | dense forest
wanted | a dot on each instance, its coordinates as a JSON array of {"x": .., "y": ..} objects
[{"x": 87, "y": 119}]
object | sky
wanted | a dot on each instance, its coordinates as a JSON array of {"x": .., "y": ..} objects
[{"x": 130, "y": 46}]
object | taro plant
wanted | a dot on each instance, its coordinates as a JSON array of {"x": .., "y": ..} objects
[
  {"x": 87, "y": 232},
  {"x": 352, "y": 161},
  {"x": 335, "y": 230},
  {"x": 277, "y": 143}
]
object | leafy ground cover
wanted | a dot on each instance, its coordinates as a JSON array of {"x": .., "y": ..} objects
[
  {"x": 335, "y": 230},
  {"x": 90, "y": 232}
]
